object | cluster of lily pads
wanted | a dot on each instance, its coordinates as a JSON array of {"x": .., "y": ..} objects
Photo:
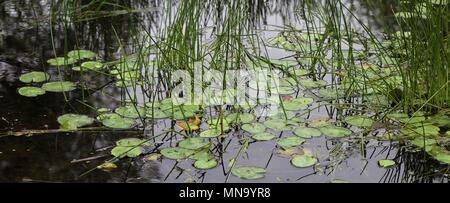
[{"x": 72, "y": 58}]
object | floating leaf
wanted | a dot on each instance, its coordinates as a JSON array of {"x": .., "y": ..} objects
[
  {"x": 74, "y": 121},
  {"x": 92, "y": 65},
  {"x": 202, "y": 155},
  {"x": 249, "y": 172},
  {"x": 240, "y": 118},
  {"x": 104, "y": 116},
  {"x": 426, "y": 130},
  {"x": 282, "y": 116},
  {"x": 131, "y": 152},
  {"x": 132, "y": 142},
  {"x": 307, "y": 132},
  {"x": 212, "y": 133},
  {"x": 264, "y": 136},
  {"x": 292, "y": 141},
  {"x": 81, "y": 54},
  {"x": 156, "y": 113},
  {"x": 386, "y": 163},
  {"x": 288, "y": 152},
  {"x": 119, "y": 122},
  {"x": 61, "y": 61},
  {"x": 193, "y": 143},
  {"x": 422, "y": 142},
  {"x": 31, "y": 91},
  {"x": 277, "y": 124},
  {"x": 60, "y": 86},
  {"x": 34, "y": 77},
  {"x": 303, "y": 161},
  {"x": 335, "y": 132},
  {"x": 443, "y": 157},
  {"x": 131, "y": 111},
  {"x": 176, "y": 153},
  {"x": 205, "y": 164},
  {"x": 359, "y": 121},
  {"x": 254, "y": 128}
]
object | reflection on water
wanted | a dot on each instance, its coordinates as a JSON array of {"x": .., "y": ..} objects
[{"x": 26, "y": 43}]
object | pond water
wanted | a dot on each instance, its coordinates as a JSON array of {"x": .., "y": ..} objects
[{"x": 33, "y": 150}]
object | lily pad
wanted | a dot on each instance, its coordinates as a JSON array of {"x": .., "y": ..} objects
[
  {"x": 249, "y": 172},
  {"x": 121, "y": 152},
  {"x": 81, "y": 54},
  {"x": 443, "y": 157},
  {"x": 240, "y": 118},
  {"x": 277, "y": 124},
  {"x": 132, "y": 142},
  {"x": 307, "y": 132},
  {"x": 105, "y": 116},
  {"x": 422, "y": 142},
  {"x": 74, "y": 121},
  {"x": 92, "y": 65},
  {"x": 336, "y": 132},
  {"x": 131, "y": 111},
  {"x": 193, "y": 143},
  {"x": 119, "y": 122},
  {"x": 60, "y": 86},
  {"x": 202, "y": 155},
  {"x": 205, "y": 164},
  {"x": 359, "y": 121},
  {"x": 176, "y": 153},
  {"x": 34, "y": 76},
  {"x": 31, "y": 91},
  {"x": 264, "y": 136},
  {"x": 254, "y": 128},
  {"x": 386, "y": 163},
  {"x": 61, "y": 61},
  {"x": 212, "y": 133},
  {"x": 292, "y": 141},
  {"x": 303, "y": 161}
]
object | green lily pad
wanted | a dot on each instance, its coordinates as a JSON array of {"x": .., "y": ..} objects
[
  {"x": 294, "y": 105},
  {"x": 193, "y": 143},
  {"x": 277, "y": 124},
  {"x": 131, "y": 111},
  {"x": 212, "y": 133},
  {"x": 422, "y": 142},
  {"x": 443, "y": 157},
  {"x": 74, "y": 121},
  {"x": 132, "y": 142},
  {"x": 386, "y": 163},
  {"x": 34, "y": 76},
  {"x": 176, "y": 153},
  {"x": 156, "y": 113},
  {"x": 249, "y": 172},
  {"x": 92, "y": 65},
  {"x": 426, "y": 130},
  {"x": 119, "y": 122},
  {"x": 61, "y": 61},
  {"x": 310, "y": 83},
  {"x": 81, "y": 54},
  {"x": 335, "y": 132},
  {"x": 205, "y": 164},
  {"x": 307, "y": 132},
  {"x": 60, "y": 86},
  {"x": 281, "y": 116},
  {"x": 292, "y": 141},
  {"x": 131, "y": 152},
  {"x": 254, "y": 128},
  {"x": 303, "y": 161},
  {"x": 202, "y": 155},
  {"x": 264, "y": 136},
  {"x": 105, "y": 116},
  {"x": 31, "y": 91},
  {"x": 240, "y": 118},
  {"x": 359, "y": 121}
]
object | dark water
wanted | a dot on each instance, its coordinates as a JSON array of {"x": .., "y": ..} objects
[{"x": 26, "y": 43}]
